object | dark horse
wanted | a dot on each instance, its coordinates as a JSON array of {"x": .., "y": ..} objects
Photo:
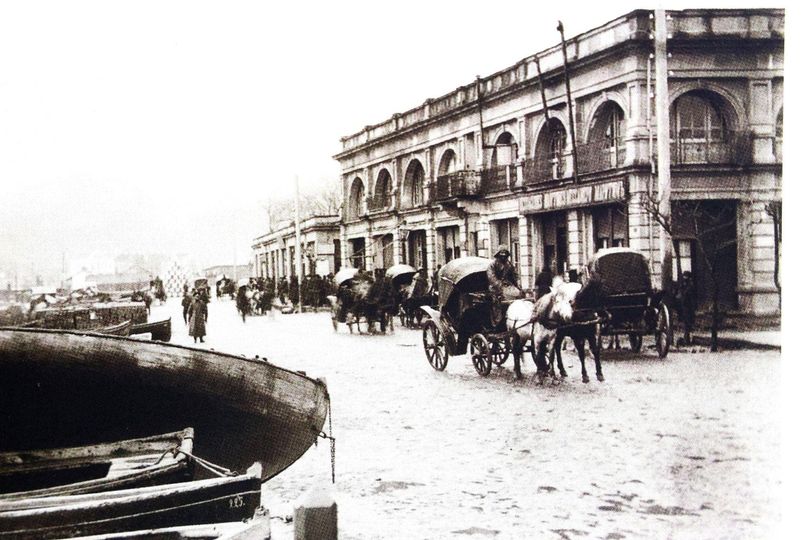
[{"x": 580, "y": 323}]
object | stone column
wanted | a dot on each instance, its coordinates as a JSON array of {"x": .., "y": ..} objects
[
  {"x": 760, "y": 120},
  {"x": 574, "y": 239},
  {"x": 462, "y": 237},
  {"x": 397, "y": 246},
  {"x": 430, "y": 246},
  {"x": 484, "y": 240},
  {"x": 637, "y": 137},
  {"x": 396, "y": 189},
  {"x": 525, "y": 263},
  {"x": 755, "y": 259}
]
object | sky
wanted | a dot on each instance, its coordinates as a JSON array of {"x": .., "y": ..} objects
[{"x": 163, "y": 127}]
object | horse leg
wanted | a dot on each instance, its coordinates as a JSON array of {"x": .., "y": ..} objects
[
  {"x": 558, "y": 340},
  {"x": 579, "y": 344},
  {"x": 593, "y": 343},
  {"x": 517, "y": 351}
]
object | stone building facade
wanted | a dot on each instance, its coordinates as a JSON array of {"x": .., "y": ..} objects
[
  {"x": 274, "y": 252},
  {"x": 488, "y": 164}
]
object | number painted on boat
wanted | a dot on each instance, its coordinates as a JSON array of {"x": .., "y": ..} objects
[{"x": 236, "y": 502}]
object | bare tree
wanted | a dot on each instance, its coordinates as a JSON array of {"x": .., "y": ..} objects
[{"x": 324, "y": 200}]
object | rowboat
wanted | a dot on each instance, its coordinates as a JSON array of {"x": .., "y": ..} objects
[
  {"x": 61, "y": 389},
  {"x": 217, "y": 500},
  {"x": 160, "y": 330},
  {"x": 161, "y": 459},
  {"x": 120, "y": 329},
  {"x": 257, "y": 528}
]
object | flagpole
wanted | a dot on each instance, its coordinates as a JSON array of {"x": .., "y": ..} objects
[{"x": 297, "y": 251}]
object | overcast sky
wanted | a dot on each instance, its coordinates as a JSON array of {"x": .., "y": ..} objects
[{"x": 161, "y": 127}]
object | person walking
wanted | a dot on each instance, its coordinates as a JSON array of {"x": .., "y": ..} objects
[{"x": 198, "y": 316}]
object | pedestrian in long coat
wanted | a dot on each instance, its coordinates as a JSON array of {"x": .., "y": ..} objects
[{"x": 198, "y": 316}]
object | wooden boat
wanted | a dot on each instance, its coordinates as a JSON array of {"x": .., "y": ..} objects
[
  {"x": 217, "y": 500},
  {"x": 257, "y": 528},
  {"x": 61, "y": 388},
  {"x": 120, "y": 329},
  {"x": 161, "y": 459},
  {"x": 160, "y": 330}
]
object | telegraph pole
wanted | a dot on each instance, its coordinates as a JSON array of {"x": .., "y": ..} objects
[
  {"x": 561, "y": 30},
  {"x": 298, "y": 251},
  {"x": 662, "y": 131}
]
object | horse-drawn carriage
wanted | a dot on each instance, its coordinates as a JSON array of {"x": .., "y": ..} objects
[
  {"x": 617, "y": 298},
  {"x": 361, "y": 297},
  {"x": 410, "y": 293},
  {"x": 624, "y": 297},
  {"x": 464, "y": 316}
]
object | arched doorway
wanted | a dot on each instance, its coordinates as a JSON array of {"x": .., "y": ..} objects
[
  {"x": 356, "y": 196},
  {"x": 605, "y": 147},
  {"x": 382, "y": 191},
  {"x": 701, "y": 128}
]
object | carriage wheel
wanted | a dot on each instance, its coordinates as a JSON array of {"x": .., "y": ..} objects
[
  {"x": 500, "y": 351},
  {"x": 435, "y": 346},
  {"x": 663, "y": 331},
  {"x": 635, "y": 342},
  {"x": 481, "y": 354}
]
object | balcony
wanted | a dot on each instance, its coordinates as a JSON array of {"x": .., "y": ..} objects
[
  {"x": 379, "y": 203},
  {"x": 543, "y": 170},
  {"x": 497, "y": 179},
  {"x": 464, "y": 184},
  {"x": 597, "y": 157},
  {"x": 733, "y": 149}
]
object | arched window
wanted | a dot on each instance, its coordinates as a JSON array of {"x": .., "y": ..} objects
[
  {"x": 412, "y": 187},
  {"x": 356, "y": 196},
  {"x": 382, "y": 190},
  {"x": 699, "y": 129},
  {"x": 549, "y": 153},
  {"x": 447, "y": 164},
  {"x": 504, "y": 152},
  {"x": 605, "y": 147}
]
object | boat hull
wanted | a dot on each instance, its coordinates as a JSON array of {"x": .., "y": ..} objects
[
  {"x": 60, "y": 389},
  {"x": 160, "y": 330}
]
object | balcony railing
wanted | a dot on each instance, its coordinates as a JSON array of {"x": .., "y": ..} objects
[
  {"x": 734, "y": 149},
  {"x": 457, "y": 185},
  {"x": 378, "y": 203},
  {"x": 596, "y": 156},
  {"x": 497, "y": 179},
  {"x": 543, "y": 169}
]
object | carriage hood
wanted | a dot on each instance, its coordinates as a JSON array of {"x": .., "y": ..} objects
[
  {"x": 398, "y": 270},
  {"x": 458, "y": 273},
  {"x": 621, "y": 270},
  {"x": 345, "y": 274}
]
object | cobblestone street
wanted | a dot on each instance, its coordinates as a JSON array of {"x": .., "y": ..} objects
[{"x": 682, "y": 448}]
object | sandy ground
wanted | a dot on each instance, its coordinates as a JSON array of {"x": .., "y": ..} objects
[{"x": 682, "y": 448}]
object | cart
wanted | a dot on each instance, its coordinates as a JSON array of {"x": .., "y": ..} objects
[
  {"x": 628, "y": 302},
  {"x": 463, "y": 318}
]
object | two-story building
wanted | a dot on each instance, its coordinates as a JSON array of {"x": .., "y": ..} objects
[
  {"x": 274, "y": 252},
  {"x": 490, "y": 164}
]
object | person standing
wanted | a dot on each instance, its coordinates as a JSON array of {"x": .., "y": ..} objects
[
  {"x": 542, "y": 283},
  {"x": 198, "y": 316},
  {"x": 186, "y": 303}
]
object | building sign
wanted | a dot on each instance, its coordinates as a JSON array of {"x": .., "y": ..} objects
[{"x": 572, "y": 197}]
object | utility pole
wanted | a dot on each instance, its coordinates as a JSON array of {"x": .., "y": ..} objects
[
  {"x": 561, "y": 29},
  {"x": 298, "y": 250},
  {"x": 662, "y": 131}
]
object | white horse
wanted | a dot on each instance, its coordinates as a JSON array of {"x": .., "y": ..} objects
[
  {"x": 580, "y": 326},
  {"x": 524, "y": 321}
]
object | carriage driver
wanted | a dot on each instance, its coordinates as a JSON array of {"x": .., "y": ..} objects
[{"x": 503, "y": 285}]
